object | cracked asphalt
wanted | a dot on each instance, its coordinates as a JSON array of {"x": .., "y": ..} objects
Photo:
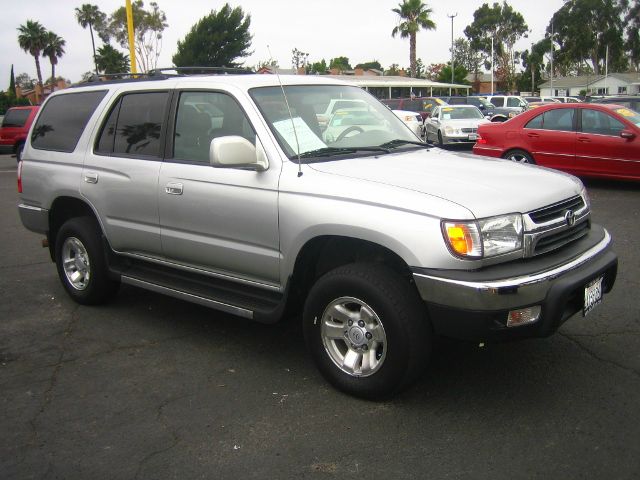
[{"x": 149, "y": 387}]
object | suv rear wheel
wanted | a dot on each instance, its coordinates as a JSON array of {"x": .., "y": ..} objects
[
  {"x": 81, "y": 262},
  {"x": 367, "y": 330}
]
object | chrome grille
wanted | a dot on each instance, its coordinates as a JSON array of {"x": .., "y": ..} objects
[
  {"x": 557, "y": 210},
  {"x": 548, "y": 228},
  {"x": 469, "y": 130}
]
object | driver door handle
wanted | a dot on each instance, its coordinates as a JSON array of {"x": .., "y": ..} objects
[{"x": 174, "y": 188}]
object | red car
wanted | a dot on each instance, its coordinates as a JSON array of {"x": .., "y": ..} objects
[
  {"x": 585, "y": 139},
  {"x": 15, "y": 128}
]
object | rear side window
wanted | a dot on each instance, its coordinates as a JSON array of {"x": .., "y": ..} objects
[
  {"x": 559, "y": 119},
  {"x": 63, "y": 119},
  {"x": 16, "y": 118},
  {"x": 134, "y": 125},
  {"x": 497, "y": 101}
]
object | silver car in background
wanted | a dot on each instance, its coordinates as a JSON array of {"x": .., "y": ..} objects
[
  {"x": 453, "y": 124},
  {"x": 412, "y": 120}
]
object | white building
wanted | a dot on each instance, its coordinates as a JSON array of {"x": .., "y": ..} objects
[{"x": 612, "y": 84}]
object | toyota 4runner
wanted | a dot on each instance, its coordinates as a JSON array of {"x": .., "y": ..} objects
[{"x": 223, "y": 190}]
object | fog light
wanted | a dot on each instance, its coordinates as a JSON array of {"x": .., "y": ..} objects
[{"x": 523, "y": 316}]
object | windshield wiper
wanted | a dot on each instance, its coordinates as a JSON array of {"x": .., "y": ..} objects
[
  {"x": 329, "y": 151},
  {"x": 398, "y": 141}
]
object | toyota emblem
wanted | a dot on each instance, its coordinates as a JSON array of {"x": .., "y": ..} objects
[{"x": 570, "y": 218}]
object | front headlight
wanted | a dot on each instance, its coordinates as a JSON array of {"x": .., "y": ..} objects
[
  {"x": 451, "y": 131},
  {"x": 487, "y": 237}
]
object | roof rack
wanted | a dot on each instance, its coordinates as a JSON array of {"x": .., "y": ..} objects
[{"x": 161, "y": 74}]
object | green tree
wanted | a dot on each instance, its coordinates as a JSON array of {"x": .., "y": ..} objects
[
  {"x": 393, "y": 70},
  {"x": 582, "y": 31},
  {"x": 53, "y": 50},
  {"x": 25, "y": 82},
  {"x": 90, "y": 16},
  {"x": 459, "y": 74},
  {"x": 12, "y": 83},
  {"x": 219, "y": 39},
  {"x": 299, "y": 59},
  {"x": 110, "y": 60},
  {"x": 632, "y": 20},
  {"x": 148, "y": 26},
  {"x": 32, "y": 39},
  {"x": 319, "y": 67},
  {"x": 413, "y": 16},
  {"x": 341, "y": 63},
  {"x": 375, "y": 65},
  {"x": 505, "y": 26},
  {"x": 433, "y": 71}
]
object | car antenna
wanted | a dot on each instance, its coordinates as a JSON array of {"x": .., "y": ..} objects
[{"x": 293, "y": 125}]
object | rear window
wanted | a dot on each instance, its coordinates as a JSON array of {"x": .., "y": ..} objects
[
  {"x": 16, "y": 118},
  {"x": 63, "y": 119}
]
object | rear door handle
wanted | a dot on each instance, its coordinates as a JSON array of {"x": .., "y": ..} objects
[
  {"x": 91, "y": 177},
  {"x": 584, "y": 139},
  {"x": 533, "y": 135},
  {"x": 173, "y": 188}
]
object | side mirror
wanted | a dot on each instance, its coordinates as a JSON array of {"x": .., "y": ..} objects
[
  {"x": 628, "y": 134},
  {"x": 237, "y": 152}
]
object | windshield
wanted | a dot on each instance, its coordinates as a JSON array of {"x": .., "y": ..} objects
[
  {"x": 630, "y": 115},
  {"x": 16, "y": 118},
  {"x": 330, "y": 118},
  {"x": 460, "y": 113}
]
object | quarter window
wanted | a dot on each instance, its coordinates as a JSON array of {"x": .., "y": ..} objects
[
  {"x": 535, "y": 122},
  {"x": 594, "y": 121},
  {"x": 63, "y": 119}
]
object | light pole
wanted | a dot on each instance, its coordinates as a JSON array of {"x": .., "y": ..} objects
[{"x": 452, "y": 66}]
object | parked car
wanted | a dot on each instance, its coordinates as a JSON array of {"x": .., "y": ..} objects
[
  {"x": 453, "y": 124},
  {"x": 421, "y": 105},
  {"x": 629, "y": 101},
  {"x": 507, "y": 106},
  {"x": 349, "y": 122},
  {"x": 413, "y": 120},
  {"x": 584, "y": 139},
  {"x": 15, "y": 128},
  {"x": 564, "y": 99},
  {"x": 379, "y": 241},
  {"x": 485, "y": 106}
]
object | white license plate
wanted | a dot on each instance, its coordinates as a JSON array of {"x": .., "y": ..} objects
[
  {"x": 473, "y": 136},
  {"x": 592, "y": 295}
]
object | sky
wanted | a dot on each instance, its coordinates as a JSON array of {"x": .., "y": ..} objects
[{"x": 357, "y": 29}]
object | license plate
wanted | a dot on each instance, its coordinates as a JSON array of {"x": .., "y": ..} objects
[
  {"x": 592, "y": 295},
  {"x": 473, "y": 136}
]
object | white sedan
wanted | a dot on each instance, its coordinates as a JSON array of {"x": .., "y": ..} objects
[
  {"x": 453, "y": 124},
  {"x": 413, "y": 120}
]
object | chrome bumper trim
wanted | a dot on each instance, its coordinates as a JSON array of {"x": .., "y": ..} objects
[
  {"x": 34, "y": 218},
  {"x": 499, "y": 294}
]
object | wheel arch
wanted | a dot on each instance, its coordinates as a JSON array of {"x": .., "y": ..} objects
[
  {"x": 518, "y": 149},
  {"x": 62, "y": 209}
]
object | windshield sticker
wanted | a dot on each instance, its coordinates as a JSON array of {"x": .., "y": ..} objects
[
  {"x": 305, "y": 137},
  {"x": 625, "y": 112},
  {"x": 449, "y": 109},
  {"x": 440, "y": 102}
]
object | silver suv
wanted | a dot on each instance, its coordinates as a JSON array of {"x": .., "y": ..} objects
[{"x": 225, "y": 191}]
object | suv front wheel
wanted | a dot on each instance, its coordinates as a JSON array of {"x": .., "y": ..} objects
[
  {"x": 367, "y": 330},
  {"x": 81, "y": 262}
]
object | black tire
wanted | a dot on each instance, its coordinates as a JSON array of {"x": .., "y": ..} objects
[
  {"x": 403, "y": 354},
  {"x": 352, "y": 129},
  {"x": 519, "y": 156},
  {"x": 19, "y": 150},
  {"x": 80, "y": 239},
  {"x": 440, "y": 141}
]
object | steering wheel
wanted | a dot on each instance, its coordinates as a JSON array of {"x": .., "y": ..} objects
[{"x": 352, "y": 129}]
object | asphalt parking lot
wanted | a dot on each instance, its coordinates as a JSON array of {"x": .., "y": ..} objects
[{"x": 150, "y": 387}]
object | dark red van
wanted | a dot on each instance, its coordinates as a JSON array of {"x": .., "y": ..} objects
[{"x": 15, "y": 128}]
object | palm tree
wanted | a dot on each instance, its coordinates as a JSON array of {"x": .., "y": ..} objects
[
  {"x": 414, "y": 15},
  {"x": 110, "y": 60},
  {"x": 32, "y": 39},
  {"x": 90, "y": 16},
  {"x": 54, "y": 49}
]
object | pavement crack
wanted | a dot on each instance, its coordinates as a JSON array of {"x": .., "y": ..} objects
[
  {"x": 592, "y": 354},
  {"x": 53, "y": 380}
]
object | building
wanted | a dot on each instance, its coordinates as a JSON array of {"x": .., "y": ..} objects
[
  {"x": 482, "y": 83},
  {"x": 611, "y": 84}
]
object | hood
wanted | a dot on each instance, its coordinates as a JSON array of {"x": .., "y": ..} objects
[{"x": 485, "y": 186}]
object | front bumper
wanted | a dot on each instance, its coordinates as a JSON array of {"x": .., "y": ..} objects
[{"x": 473, "y": 305}]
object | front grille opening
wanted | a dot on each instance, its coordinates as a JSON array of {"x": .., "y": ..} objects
[
  {"x": 557, "y": 210},
  {"x": 560, "y": 239}
]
